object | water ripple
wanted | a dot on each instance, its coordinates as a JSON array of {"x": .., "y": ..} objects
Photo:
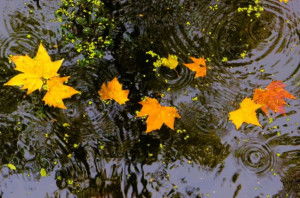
[
  {"x": 175, "y": 78},
  {"x": 256, "y": 156}
]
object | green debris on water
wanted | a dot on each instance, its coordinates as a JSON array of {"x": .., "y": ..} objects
[
  {"x": 255, "y": 9},
  {"x": 224, "y": 59},
  {"x": 66, "y": 125},
  {"x": 88, "y": 28},
  {"x": 11, "y": 166},
  {"x": 43, "y": 172},
  {"x": 171, "y": 61}
]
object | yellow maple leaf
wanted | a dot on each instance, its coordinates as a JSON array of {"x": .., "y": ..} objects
[
  {"x": 34, "y": 70},
  {"x": 157, "y": 114},
  {"x": 246, "y": 113},
  {"x": 285, "y": 1},
  {"x": 57, "y": 91},
  {"x": 171, "y": 61},
  {"x": 113, "y": 90},
  {"x": 198, "y": 66}
]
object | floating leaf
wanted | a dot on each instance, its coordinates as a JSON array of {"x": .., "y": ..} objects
[
  {"x": 272, "y": 98},
  {"x": 113, "y": 90},
  {"x": 57, "y": 91},
  {"x": 246, "y": 113},
  {"x": 285, "y": 1},
  {"x": 11, "y": 166},
  {"x": 157, "y": 114},
  {"x": 198, "y": 66},
  {"x": 40, "y": 72},
  {"x": 43, "y": 172},
  {"x": 171, "y": 61},
  {"x": 34, "y": 70}
]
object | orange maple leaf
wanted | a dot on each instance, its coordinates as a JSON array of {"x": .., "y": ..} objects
[
  {"x": 157, "y": 114},
  {"x": 246, "y": 113},
  {"x": 57, "y": 91},
  {"x": 113, "y": 90},
  {"x": 272, "y": 98},
  {"x": 198, "y": 66}
]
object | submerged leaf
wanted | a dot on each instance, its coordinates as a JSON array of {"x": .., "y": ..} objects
[
  {"x": 246, "y": 113},
  {"x": 157, "y": 114},
  {"x": 198, "y": 66},
  {"x": 57, "y": 91},
  {"x": 34, "y": 70},
  {"x": 113, "y": 90},
  {"x": 272, "y": 98}
]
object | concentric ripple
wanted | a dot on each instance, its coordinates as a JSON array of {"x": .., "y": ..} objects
[
  {"x": 175, "y": 78},
  {"x": 19, "y": 43},
  {"x": 205, "y": 112},
  {"x": 268, "y": 43},
  {"x": 23, "y": 30},
  {"x": 256, "y": 157}
]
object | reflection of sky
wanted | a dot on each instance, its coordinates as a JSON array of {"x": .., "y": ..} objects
[
  {"x": 184, "y": 176},
  {"x": 9, "y": 7},
  {"x": 215, "y": 185},
  {"x": 23, "y": 186}
]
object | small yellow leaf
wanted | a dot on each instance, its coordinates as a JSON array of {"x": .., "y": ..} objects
[
  {"x": 66, "y": 124},
  {"x": 57, "y": 91},
  {"x": 171, "y": 61},
  {"x": 34, "y": 70},
  {"x": 246, "y": 113},
  {"x": 11, "y": 166},
  {"x": 113, "y": 90},
  {"x": 43, "y": 172}
]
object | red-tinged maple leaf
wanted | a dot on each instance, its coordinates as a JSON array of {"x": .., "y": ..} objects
[
  {"x": 157, "y": 114},
  {"x": 272, "y": 98}
]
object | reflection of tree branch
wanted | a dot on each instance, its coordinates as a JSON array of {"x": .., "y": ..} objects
[
  {"x": 200, "y": 148},
  {"x": 291, "y": 183}
]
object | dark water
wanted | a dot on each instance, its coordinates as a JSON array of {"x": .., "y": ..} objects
[{"x": 104, "y": 152}]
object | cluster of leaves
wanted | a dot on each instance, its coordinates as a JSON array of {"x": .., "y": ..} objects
[
  {"x": 87, "y": 25},
  {"x": 86, "y": 17},
  {"x": 157, "y": 114},
  {"x": 270, "y": 98},
  {"x": 41, "y": 73},
  {"x": 198, "y": 65},
  {"x": 171, "y": 61}
]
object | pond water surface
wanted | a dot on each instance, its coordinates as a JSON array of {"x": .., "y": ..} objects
[{"x": 97, "y": 149}]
